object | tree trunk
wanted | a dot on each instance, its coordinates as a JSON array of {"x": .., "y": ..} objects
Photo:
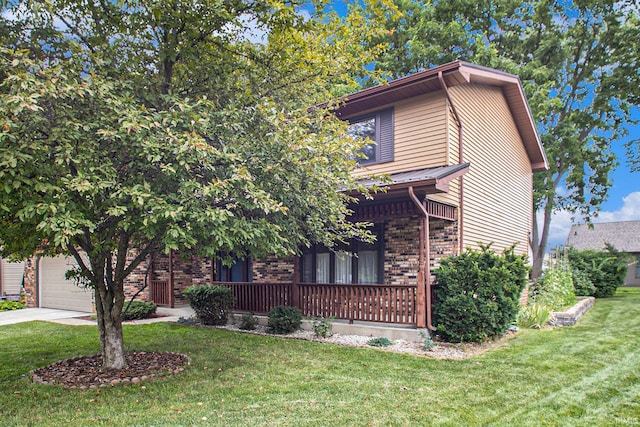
[
  {"x": 110, "y": 331},
  {"x": 540, "y": 241}
]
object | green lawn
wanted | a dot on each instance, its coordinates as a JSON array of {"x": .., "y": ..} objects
[{"x": 584, "y": 375}]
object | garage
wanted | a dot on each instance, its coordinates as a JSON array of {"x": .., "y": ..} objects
[
  {"x": 56, "y": 291},
  {"x": 11, "y": 274}
]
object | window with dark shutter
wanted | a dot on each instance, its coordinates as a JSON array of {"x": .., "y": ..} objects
[{"x": 378, "y": 128}]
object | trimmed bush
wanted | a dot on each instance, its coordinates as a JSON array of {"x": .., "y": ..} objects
[
  {"x": 284, "y": 319},
  {"x": 582, "y": 284},
  {"x": 606, "y": 269},
  {"x": 248, "y": 322},
  {"x": 478, "y": 294},
  {"x": 6, "y": 305},
  {"x": 136, "y": 310},
  {"x": 212, "y": 303}
]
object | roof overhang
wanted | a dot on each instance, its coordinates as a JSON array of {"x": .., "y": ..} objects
[
  {"x": 454, "y": 74},
  {"x": 424, "y": 181}
]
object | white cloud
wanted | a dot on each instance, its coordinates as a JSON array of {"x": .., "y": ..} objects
[
  {"x": 561, "y": 221},
  {"x": 558, "y": 229},
  {"x": 630, "y": 210}
]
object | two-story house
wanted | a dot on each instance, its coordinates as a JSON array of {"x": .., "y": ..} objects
[{"x": 460, "y": 146}]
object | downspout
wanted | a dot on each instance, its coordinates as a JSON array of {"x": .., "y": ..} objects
[
  {"x": 171, "y": 304},
  {"x": 460, "y": 159},
  {"x": 424, "y": 271}
]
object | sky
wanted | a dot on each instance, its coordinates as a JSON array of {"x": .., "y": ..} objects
[{"x": 623, "y": 198}]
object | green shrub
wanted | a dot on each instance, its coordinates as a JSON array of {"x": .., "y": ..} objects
[
  {"x": 379, "y": 342},
  {"x": 606, "y": 269},
  {"x": 284, "y": 319},
  {"x": 534, "y": 316},
  {"x": 248, "y": 322},
  {"x": 582, "y": 284},
  {"x": 322, "y": 327},
  {"x": 6, "y": 305},
  {"x": 477, "y": 294},
  {"x": 555, "y": 289},
  {"x": 212, "y": 303},
  {"x": 427, "y": 342},
  {"x": 136, "y": 310}
]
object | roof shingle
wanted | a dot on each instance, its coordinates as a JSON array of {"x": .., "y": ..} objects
[{"x": 624, "y": 236}]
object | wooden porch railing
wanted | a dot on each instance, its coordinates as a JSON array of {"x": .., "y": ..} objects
[
  {"x": 372, "y": 303},
  {"x": 160, "y": 292}
]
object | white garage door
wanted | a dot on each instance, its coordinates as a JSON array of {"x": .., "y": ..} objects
[
  {"x": 11, "y": 277},
  {"x": 58, "y": 292}
]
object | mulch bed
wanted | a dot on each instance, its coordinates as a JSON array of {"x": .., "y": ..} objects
[{"x": 86, "y": 371}]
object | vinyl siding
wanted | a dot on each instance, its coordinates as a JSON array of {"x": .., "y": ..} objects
[
  {"x": 498, "y": 186},
  {"x": 420, "y": 136},
  {"x": 453, "y": 196},
  {"x": 11, "y": 274}
]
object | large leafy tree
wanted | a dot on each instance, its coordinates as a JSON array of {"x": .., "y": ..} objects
[
  {"x": 132, "y": 127},
  {"x": 578, "y": 62}
]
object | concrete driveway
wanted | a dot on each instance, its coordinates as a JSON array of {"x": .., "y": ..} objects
[
  {"x": 29, "y": 314},
  {"x": 71, "y": 317}
]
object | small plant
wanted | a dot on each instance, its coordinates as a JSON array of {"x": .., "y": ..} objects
[
  {"x": 136, "y": 310},
  {"x": 322, "y": 327},
  {"x": 284, "y": 319},
  {"x": 187, "y": 321},
  {"x": 555, "y": 289},
  {"x": 212, "y": 304},
  {"x": 6, "y": 305},
  {"x": 427, "y": 342},
  {"x": 248, "y": 322},
  {"x": 379, "y": 342},
  {"x": 534, "y": 316}
]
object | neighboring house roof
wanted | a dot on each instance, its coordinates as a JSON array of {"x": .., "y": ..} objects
[
  {"x": 624, "y": 236},
  {"x": 454, "y": 73},
  {"x": 426, "y": 181}
]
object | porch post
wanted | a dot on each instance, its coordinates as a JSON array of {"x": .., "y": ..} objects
[
  {"x": 420, "y": 291},
  {"x": 295, "y": 292},
  {"x": 171, "y": 304}
]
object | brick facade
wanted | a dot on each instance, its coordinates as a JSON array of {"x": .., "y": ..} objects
[
  {"x": 402, "y": 241},
  {"x": 187, "y": 271},
  {"x": 401, "y": 253},
  {"x": 273, "y": 269},
  {"x": 30, "y": 283}
]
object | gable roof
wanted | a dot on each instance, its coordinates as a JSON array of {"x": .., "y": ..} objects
[
  {"x": 624, "y": 236},
  {"x": 454, "y": 73}
]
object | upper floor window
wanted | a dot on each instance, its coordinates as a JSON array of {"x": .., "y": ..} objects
[{"x": 378, "y": 127}]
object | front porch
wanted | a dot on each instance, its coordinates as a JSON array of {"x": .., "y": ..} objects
[
  {"x": 384, "y": 282},
  {"x": 378, "y": 303},
  {"x": 395, "y": 304}
]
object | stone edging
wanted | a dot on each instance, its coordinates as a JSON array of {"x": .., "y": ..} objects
[{"x": 569, "y": 317}]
